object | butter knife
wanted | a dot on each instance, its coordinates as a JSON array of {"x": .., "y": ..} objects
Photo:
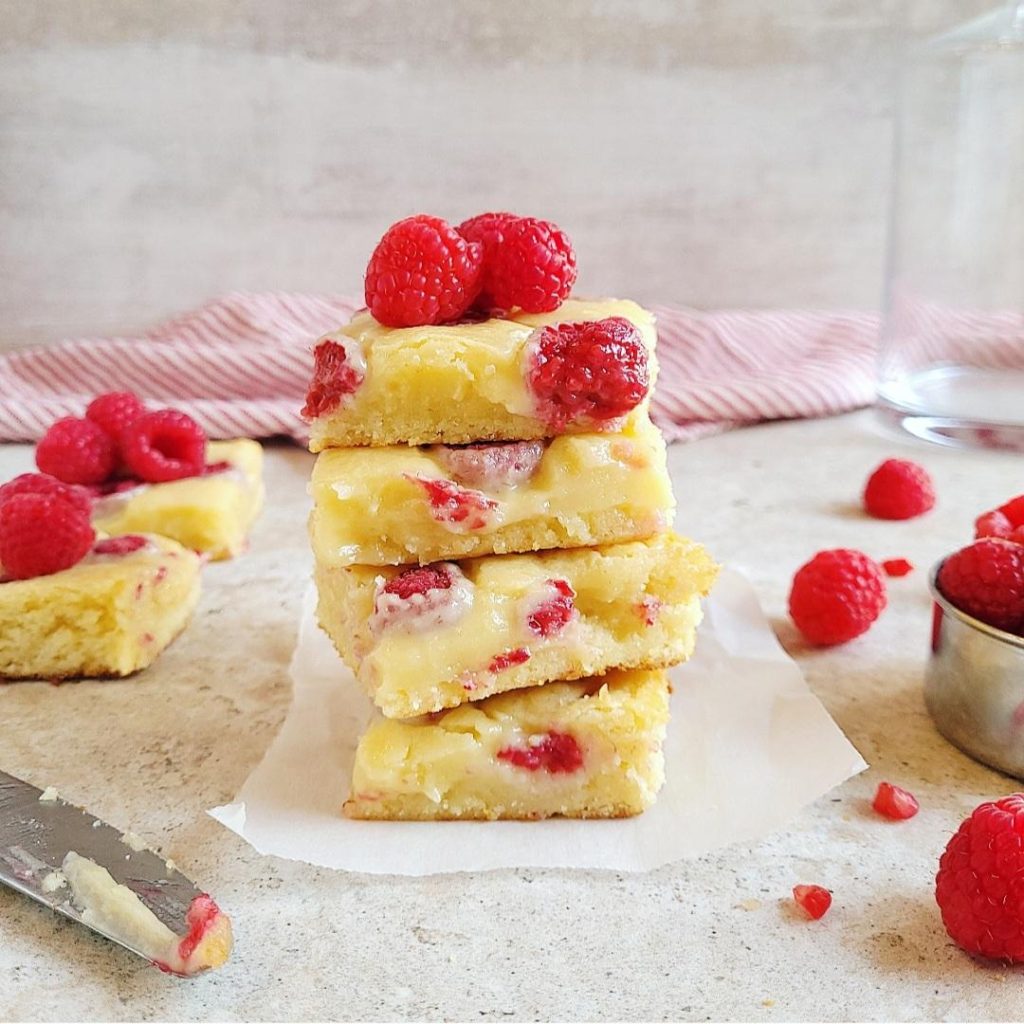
[{"x": 69, "y": 860}]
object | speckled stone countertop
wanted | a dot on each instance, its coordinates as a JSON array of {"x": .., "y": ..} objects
[{"x": 712, "y": 938}]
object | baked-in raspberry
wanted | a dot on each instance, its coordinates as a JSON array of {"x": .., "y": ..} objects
[
  {"x": 894, "y": 802},
  {"x": 40, "y": 483},
  {"x": 491, "y": 464},
  {"x": 338, "y": 370},
  {"x": 164, "y": 445},
  {"x": 114, "y": 411},
  {"x": 649, "y": 608},
  {"x": 422, "y": 272},
  {"x": 528, "y": 264},
  {"x": 507, "y": 659},
  {"x": 836, "y": 596},
  {"x": 897, "y": 567},
  {"x": 980, "y": 883},
  {"x": 77, "y": 452},
  {"x": 554, "y": 609},
  {"x": 422, "y": 597},
  {"x": 456, "y": 507},
  {"x": 986, "y": 580},
  {"x": 123, "y": 545},
  {"x": 992, "y": 524},
  {"x": 899, "y": 489},
  {"x": 42, "y": 534},
  {"x": 554, "y": 752},
  {"x": 814, "y": 900},
  {"x": 593, "y": 370}
]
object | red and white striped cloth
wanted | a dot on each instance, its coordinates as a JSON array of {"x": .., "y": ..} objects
[{"x": 240, "y": 366}]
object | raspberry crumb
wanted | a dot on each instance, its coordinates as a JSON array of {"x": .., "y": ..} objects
[
  {"x": 897, "y": 567},
  {"x": 899, "y": 489},
  {"x": 422, "y": 272},
  {"x": 500, "y": 662},
  {"x": 894, "y": 802},
  {"x": 986, "y": 580},
  {"x": 456, "y": 507},
  {"x": 76, "y": 452},
  {"x": 595, "y": 370},
  {"x": 980, "y": 883},
  {"x": 556, "y": 753},
  {"x": 813, "y": 900},
  {"x": 554, "y": 612},
  {"x": 338, "y": 370},
  {"x": 836, "y": 596}
]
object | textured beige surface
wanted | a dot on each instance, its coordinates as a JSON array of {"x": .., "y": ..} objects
[
  {"x": 708, "y": 152},
  {"x": 711, "y": 938}
]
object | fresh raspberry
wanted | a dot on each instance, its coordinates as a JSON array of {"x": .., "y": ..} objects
[
  {"x": 42, "y": 534},
  {"x": 593, "y": 370},
  {"x": 164, "y": 445},
  {"x": 897, "y": 567},
  {"x": 507, "y": 659},
  {"x": 980, "y": 884},
  {"x": 124, "y": 545},
  {"x": 491, "y": 464},
  {"x": 557, "y": 753},
  {"x": 555, "y": 611},
  {"x": 899, "y": 489},
  {"x": 528, "y": 264},
  {"x": 40, "y": 483},
  {"x": 455, "y": 507},
  {"x": 894, "y": 802},
  {"x": 77, "y": 452},
  {"x": 992, "y": 524},
  {"x": 418, "y": 580},
  {"x": 422, "y": 272},
  {"x": 813, "y": 900},
  {"x": 113, "y": 412},
  {"x": 1017, "y": 536},
  {"x": 337, "y": 373},
  {"x": 836, "y": 596},
  {"x": 986, "y": 580}
]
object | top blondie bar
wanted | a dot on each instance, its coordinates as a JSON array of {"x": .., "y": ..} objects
[{"x": 505, "y": 378}]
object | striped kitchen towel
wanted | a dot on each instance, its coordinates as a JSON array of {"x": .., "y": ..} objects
[{"x": 240, "y": 366}]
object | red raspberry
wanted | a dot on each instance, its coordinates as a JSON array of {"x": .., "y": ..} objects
[
  {"x": 528, "y": 264},
  {"x": 491, "y": 464},
  {"x": 986, "y": 580},
  {"x": 40, "y": 483},
  {"x": 813, "y": 899},
  {"x": 1014, "y": 510},
  {"x": 899, "y": 489},
  {"x": 894, "y": 802},
  {"x": 123, "y": 545},
  {"x": 456, "y": 507},
  {"x": 164, "y": 445},
  {"x": 507, "y": 659},
  {"x": 42, "y": 534},
  {"x": 980, "y": 884},
  {"x": 422, "y": 272},
  {"x": 77, "y": 452},
  {"x": 594, "y": 370},
  {"x": 992, "y": 524},
  {"x": 418, "y": 580},
  {"x": 113, "y": 412},
  {"x": 836, "y": 596},
  {"x": 554, "y": 613},
  {"x": 335, "y": 376},
  {"x": 557, "y": 753},
  {"x": 897, "y": 567}
]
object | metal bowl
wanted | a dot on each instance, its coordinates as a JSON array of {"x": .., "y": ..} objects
[{"x": 974, "y": 686}]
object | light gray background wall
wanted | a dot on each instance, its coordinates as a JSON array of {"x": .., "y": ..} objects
[{"x": 708, "y": 152}]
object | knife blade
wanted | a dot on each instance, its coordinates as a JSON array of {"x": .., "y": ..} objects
[{"x": 37, "y": 833}]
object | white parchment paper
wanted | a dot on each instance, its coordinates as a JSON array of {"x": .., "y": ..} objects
[{"x": 747, "y": 747}]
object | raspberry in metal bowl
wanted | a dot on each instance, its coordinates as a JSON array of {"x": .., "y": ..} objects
[{"x": 974, "y": 685}]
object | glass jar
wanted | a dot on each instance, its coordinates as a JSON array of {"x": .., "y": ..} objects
[{"x": 952, "y": 347}]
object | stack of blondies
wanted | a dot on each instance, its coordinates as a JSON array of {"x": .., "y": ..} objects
[{"x": 494, "y": 561}]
